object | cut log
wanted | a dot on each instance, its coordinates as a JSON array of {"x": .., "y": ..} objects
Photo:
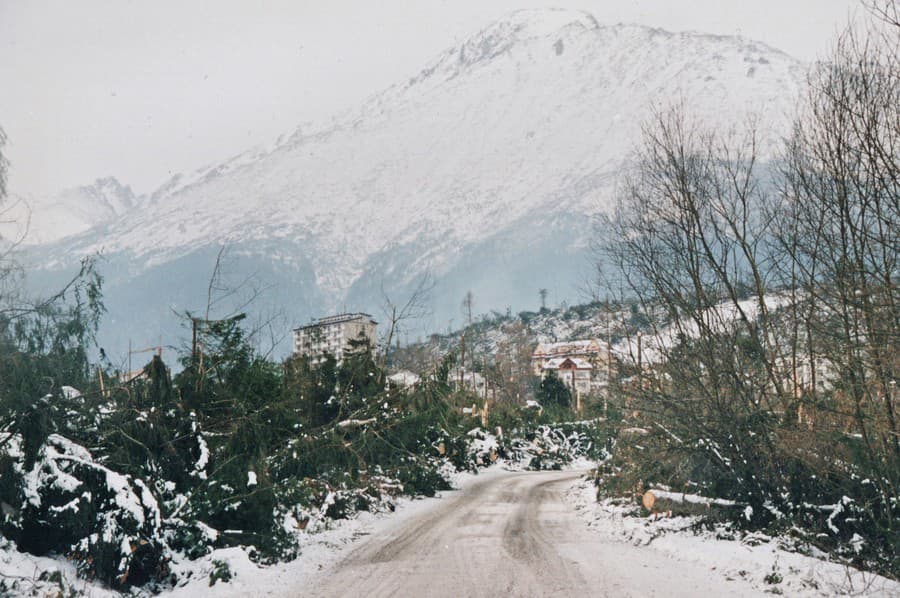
[
  {"x": 355, "y": 423},
  {"x": 664, "y": 500}
]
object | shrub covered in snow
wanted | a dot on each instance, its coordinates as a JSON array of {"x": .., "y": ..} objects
[
  {"x": 832, "y": 510},
  {"x": 539, "y": 447},
  {"x": 236, "y": 450},
  {"x": 67, "y": 503}
]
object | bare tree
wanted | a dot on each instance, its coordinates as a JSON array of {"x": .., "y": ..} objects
[
  {"x": 228, "y": 297},
  {"x": 842, "y": 234},
  {"x": 397, "y": 316},
  {"x": 512, "y": 373},
  {"x": 690, "y": 241},
  {"x": 10, "y": 272},
  {"x": 886, "y": 10},
  {"x": 772, "y": 304},
  {"x": 4, "y": 165}
]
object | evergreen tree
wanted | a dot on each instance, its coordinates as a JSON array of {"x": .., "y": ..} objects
[
  {"x": 553, "y": 391},
  {"x": 358, "y": 377}
]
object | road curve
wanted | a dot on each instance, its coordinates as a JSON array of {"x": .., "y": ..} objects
[{"x": 509, "y": 535}]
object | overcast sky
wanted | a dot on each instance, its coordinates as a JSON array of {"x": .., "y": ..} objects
[{"x": 143, "y": 89}]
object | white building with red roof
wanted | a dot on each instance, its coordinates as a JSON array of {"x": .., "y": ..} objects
[
  {"x": 594, "y": 351},
  {"x": 576, "y": 373}
]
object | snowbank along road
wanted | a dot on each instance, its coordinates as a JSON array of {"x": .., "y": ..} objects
[{"x": 510, "y": 535}]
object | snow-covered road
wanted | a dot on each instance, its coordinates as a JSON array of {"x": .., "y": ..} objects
[{"x": 510, "y": 535}]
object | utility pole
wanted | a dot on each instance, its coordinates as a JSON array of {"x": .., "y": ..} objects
[
  {"x": 462, "y": 368},
  {"x": 640, "y": 364},
  {"x": 608, "y": 363},
  {"x": 193, "y": 339},
  {"x": 576, "y": 391},
  {"x": 484, "y": 377},
  {"x": 195, "y": 357}
]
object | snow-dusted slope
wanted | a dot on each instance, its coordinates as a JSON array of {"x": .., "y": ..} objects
[
  {"x": 508, "y": 142},
  {"x": 73, "y": 211},
  {"x": 533, "y": 112}
]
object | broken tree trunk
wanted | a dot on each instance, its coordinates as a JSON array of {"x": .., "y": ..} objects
[{"x": 655, "y": 500}]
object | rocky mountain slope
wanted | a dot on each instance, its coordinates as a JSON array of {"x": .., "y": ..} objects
[
  {"x": 484, "y": 169},
  {"x": 44, "y": 220}
]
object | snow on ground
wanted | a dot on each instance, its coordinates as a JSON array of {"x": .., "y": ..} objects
[
  {"x": 316, "y": 551},
  {"x": 24, "y": 574},
  {"x": 763, "y": 561},
  {"x": 231, "y": 571},
  {"x": 656, "y": 347},
  {"x": 759, "y": 560},
  {"x": 45, "y": 576}
]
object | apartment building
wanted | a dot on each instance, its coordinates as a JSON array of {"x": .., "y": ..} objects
[{"x": 333, "y": 335}]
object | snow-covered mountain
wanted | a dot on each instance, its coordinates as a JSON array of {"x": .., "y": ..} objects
[
  {"x": 484, "y": 169},
  {"x": 48, "y": 219}
]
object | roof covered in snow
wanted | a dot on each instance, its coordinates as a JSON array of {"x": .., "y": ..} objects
[
  {"x": 579, "y": 347},
  {"x": 567, "y": 363},
  {"x": 404, "y": 378}
]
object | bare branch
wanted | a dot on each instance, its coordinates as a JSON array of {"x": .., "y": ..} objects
[{"x": 416, "y": 307}]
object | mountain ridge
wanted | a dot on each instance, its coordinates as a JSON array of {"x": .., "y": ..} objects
[
  {"x": 522, "y": 125},
  {"x": 70, "y": 212}
]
